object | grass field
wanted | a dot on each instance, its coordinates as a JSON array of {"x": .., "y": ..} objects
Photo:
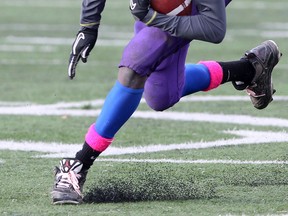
[{"x": 211, "y": 154}]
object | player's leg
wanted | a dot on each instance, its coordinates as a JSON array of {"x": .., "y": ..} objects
[
  {"x": 164, "y": 86},
  {"x": 197, "y": 78},
  {"x": 173, "y": 80},
  {"x": 252, "y": 72},
  {"x": 263, "y": 58},
  {"x": 138, "y": 59},
  {"x": 119, "y": 105},
  {"x": 142, "y": 54},
  {"x": 207, "y": 75}
]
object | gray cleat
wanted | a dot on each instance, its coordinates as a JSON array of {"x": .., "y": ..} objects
[{"x": 69, "y": 181}]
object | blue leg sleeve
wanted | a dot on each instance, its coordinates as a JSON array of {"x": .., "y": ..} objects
[
  {"x": 197, "y": 78},
  {"x": 120, "y": 104}
]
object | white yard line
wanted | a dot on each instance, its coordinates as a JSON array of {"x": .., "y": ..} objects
[
  {"x": 242, "y": 137},
  {"x": 56, "y": 150},
  {"x": 259, "y": 5},
  {"x": 169, "y": 115},
  {"x": 27, "y": 48},
  {"x": 177, "y": 161},
  {"x": 107, "y": 31},
  {"x": 99, "y": 102},
  {"x": 60, "y": 109},
  {"x": 216, "y": 118},
  {"x": 41, "y": 4},
  {"x": 274, "y": 34},
  {"x": 61, "y": 41},
  {"x": 210, "y": 98},
  {"x": 18, "y": 62},
  {"x": 275, "y": 25}
]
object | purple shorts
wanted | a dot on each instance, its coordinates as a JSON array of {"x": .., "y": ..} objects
[{"x": 161, "y": 57}]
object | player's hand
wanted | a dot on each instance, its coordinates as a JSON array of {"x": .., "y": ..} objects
[
  {"x": 82, "y": 45},
  {"x": 139, "y": 8}
]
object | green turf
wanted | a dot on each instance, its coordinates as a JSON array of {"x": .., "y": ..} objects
[
  {"x": 39, "y": 76},
  {"x": 162, "y": 189}
]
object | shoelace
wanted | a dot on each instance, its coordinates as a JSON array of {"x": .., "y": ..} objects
[{"x": 70, "y": 178}]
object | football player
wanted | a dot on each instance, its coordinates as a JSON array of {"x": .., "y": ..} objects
[{"x": 153, "y": 66}]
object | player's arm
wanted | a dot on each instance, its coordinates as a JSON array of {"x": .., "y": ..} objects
[
  {"x": 208, "y": 25},
  {"x": 87, "y": 35},
  {"x": 91, "y": 13}
]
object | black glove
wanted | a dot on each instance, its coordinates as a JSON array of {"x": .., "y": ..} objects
[
  {"x": 83, "y": 44},
  {"x": 139, "y": 8}
]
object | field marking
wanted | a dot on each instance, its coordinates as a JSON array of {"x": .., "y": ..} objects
[
  {"x": 191, "y": 161},
  {"x": 32, "y": 3},
  {"x": 56, "y": 150},
  {"x": 9, "y": 61},
  {"x": 31, "y": 62},
  {"x": 62, "y": 41},
  {"x": 122, "y": 41},
  {"x": 27, "y": 48},
  {"x": 100, "y": 102},
  {"x": 275, "y": 25},
  {"x": 107, "y": 31},
  {"x": 5, "y": 61},
  {"x": 62, "y": 109},
  {"x": 259, "y": 5},
  {"x": 177, "y": 161}
]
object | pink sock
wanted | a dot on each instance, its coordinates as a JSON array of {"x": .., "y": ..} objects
[
  {"x": 216, "y": 73},
  {"x": 95, "y": 141}
]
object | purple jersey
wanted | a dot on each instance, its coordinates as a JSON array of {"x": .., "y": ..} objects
[
  {"x": 159, "y": 51},
  {"x": 161, "y": 56}
]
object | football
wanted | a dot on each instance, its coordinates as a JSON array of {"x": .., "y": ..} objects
[{"x": 172, "y": 7}]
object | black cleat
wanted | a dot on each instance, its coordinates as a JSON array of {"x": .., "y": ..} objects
[{"x": 263, "y": 58}]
